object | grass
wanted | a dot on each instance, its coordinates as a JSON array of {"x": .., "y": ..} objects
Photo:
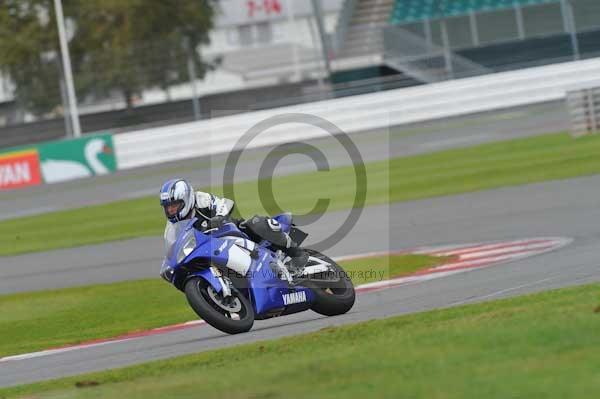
[
  {"x": 45, "y": 319},
  {"x": 539, "y": 346},
  {"x": 482, "y": 167}
]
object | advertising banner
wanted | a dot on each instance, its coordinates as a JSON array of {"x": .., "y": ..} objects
[
  {"x": 19, "y": 169},
  {"x": 73, "y": 159}
]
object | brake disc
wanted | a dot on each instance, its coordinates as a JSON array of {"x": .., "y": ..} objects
[{"x": 234, "y": 305}]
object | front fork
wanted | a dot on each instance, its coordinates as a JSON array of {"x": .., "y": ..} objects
[
  {"x": 225, "y": 284},
  {"x": 214, "y": 277}
]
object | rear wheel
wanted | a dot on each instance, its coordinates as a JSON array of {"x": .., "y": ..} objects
[
  {"x": 233, "y": 314},
  {"x": 333, "y": 289}
]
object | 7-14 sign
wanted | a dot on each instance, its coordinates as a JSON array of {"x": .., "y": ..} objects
[{"x": 265, "y": 7}]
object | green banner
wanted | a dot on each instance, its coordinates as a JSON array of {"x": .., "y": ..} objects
[{"x": 88, "y": 156}]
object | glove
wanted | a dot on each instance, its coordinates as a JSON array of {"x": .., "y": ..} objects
[
  {"x": 217, "y": 222},
  {"x": 201, "y": 225}
]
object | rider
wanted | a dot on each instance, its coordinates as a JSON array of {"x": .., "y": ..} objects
[{"x": 180, "y": 202}]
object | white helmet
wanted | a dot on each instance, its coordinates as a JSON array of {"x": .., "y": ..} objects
[{"x": 178, "y": 199}]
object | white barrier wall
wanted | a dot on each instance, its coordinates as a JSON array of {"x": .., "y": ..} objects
[{"x": 360, "y": 113}]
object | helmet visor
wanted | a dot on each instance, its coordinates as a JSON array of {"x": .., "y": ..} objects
[{"x": 173, "y": 208}]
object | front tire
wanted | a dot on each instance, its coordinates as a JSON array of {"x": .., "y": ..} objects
[
  {"x": 333, "y": 296},
  {"x": 232, "y": 315}
]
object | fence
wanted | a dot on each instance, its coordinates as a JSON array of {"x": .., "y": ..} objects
[
  {"x": 584, "y": 108},
  {"x": 565, "y": 22},
  {"x": 359, "y": 113},
  {"x": 96, "y": 155}
]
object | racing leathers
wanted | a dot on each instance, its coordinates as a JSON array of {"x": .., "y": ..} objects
[{"x": 212, "y": 211}]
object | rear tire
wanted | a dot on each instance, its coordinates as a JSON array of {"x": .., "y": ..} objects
[
  {"x": 332, "y": 297},
  {"x": 233, "y": 318}
]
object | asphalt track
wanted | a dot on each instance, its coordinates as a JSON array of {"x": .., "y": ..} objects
[
  {"x": 397, "y": 141},
  {"x": 569, "y": 208}
]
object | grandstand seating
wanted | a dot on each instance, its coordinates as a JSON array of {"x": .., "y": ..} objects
[{"x": 405, "y": 11}]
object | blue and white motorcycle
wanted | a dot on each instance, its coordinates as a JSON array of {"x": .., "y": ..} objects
[{"x": 230, "y": 281}]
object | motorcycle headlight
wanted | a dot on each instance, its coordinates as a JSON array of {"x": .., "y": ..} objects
[
  {"x": 166, "y": 271},
  {"x": 167, "y": 274},
  {"x": 189, "y": 244}
]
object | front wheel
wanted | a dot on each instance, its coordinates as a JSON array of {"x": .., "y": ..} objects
[
  {"x": 333, "y": 289},
  {"x": 233, "y": 314}
]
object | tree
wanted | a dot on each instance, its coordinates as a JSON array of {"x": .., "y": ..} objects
[
  {"x": 28, "y": 49},
  {"x": 122, "y": 45}
]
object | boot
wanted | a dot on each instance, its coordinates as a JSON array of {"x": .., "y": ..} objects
[{"x": 298, "y": 260}]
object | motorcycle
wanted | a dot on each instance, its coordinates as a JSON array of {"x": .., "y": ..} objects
[{"x": 231, "y": 281}]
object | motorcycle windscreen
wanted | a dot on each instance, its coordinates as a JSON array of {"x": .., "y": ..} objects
[{"x": 173, "y": 232}]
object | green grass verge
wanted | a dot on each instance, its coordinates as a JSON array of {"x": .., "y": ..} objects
[
  {"x": 448, "y": 172},
  {"x": 45, "y": 319},
  {"x": 540, "y": 346}
]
